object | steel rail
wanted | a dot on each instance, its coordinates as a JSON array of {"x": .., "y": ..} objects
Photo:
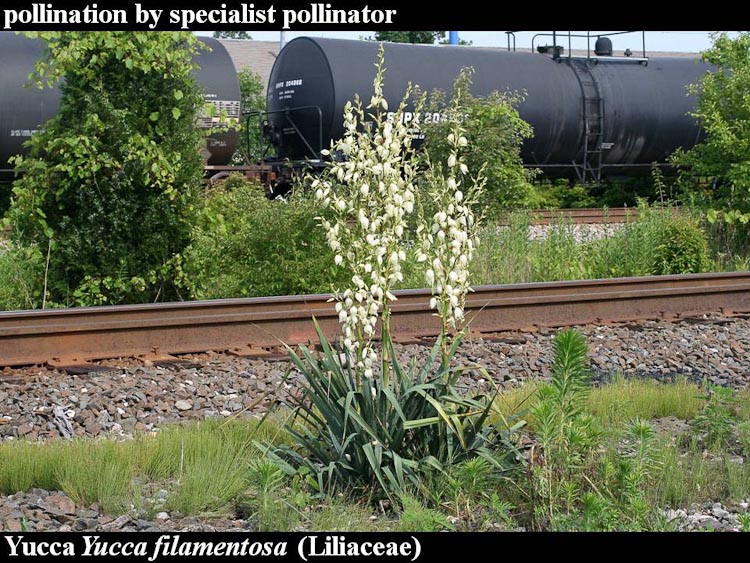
[{"x": 70, "y": 336}]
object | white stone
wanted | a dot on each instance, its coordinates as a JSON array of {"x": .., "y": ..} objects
[{"x": 183, "y": 405}]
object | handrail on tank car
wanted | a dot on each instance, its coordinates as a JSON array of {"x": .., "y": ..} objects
[
  {"x": 286, "y": 111},
  {"x": 588, "y": 37}
]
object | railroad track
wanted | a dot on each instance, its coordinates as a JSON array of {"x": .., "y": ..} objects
[
  {"x": 69, "y": 338},
  {"x": 587, "y": 216}
]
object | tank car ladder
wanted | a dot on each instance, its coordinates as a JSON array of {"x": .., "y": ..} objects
[{"x": 593, "y": 122}]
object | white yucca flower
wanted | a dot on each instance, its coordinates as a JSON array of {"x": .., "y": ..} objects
[
  {"x": 369, "y": 196},
  {"x": 449, "y": 240}
]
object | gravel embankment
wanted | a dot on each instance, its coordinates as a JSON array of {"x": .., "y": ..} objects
[
  {"x": 39, "y": 510},
  {"x": 582, "y": 233},
  {"x": 137, "y": 397}
]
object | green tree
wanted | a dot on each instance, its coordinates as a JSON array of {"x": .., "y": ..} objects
[
  {"x": 244, "y": 35},
  {"x": 428, "y": 37},
  {"x": 110, "y": 183},
  {"x": 722, "y": 160},
  {"x": 495, "y": 133}
]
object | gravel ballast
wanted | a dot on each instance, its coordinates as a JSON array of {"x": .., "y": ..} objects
[
  {"x": 38, "y": 404},
  {"x": 135, "y": 396}
]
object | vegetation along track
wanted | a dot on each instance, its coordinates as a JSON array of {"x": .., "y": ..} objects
[
  {"x": 578, "y": 216},
  {"x": 70, "y": 337}
]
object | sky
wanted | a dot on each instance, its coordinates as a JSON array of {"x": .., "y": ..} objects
[{"x": 680, "y": 41}]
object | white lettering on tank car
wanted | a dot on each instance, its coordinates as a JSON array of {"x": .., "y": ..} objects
[{"x": 22, "y": 132}]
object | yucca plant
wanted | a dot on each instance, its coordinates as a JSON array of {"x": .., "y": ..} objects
[
  {"x": 365, "y": 419},
  {"x": 380, "y": 433}
]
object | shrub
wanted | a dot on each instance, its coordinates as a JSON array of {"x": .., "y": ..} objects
[
  {"x": 247, "y": 246},
  {"x": 495, "y": 132},
  {"x": 720, "y": 159},
  {"x": 5, "y": 193},
  {"x": 555, "y": 194},
  {"x": 253, "y": 98},
  {"x": 112, "y": 179},
  {"x": 681, "y": 248},
  {"x": 355, "y": 431}
]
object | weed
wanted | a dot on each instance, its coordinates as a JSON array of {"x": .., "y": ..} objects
[
  {"x": 21, "y": 275},
  {"x": 504, "y": 255},
  {"x": 715, "y": 423},
  {"x": 559, "y": 255},
  {"x": 415, "y": 517},
  {"x": 270, "y": 504},
  {"x": 566, "y": 433}
]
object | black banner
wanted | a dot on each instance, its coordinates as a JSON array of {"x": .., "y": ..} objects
[
  {"x": 309, "y": 547},
  {"x": 293, "y": 15}
]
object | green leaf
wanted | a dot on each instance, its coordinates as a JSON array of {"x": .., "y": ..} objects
[{"x": 176, "y": 113}]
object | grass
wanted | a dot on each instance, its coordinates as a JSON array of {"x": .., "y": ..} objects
[
  {"x": 619, "y": 401},
  {"x": 107, "y": 476},
  {"x": 343, "y": 515},
  {"x": 215, "y": 473},
  {"x": 695, "y": 476},
  {"x": 625, "y": 399},
  {"x": 208, "y": 468},
  {"x": 214, "y": 468},
  {"x": 743, "y": 404},
  {"x": 506, "y": 255},
  {"x": 24, "y": 465},
  {"x": 205, "y": 466}
]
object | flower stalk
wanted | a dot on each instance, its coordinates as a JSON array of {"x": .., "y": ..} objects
[
  {"x": 448, "y": 240},
  {"x": 370, "y": 192}
]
